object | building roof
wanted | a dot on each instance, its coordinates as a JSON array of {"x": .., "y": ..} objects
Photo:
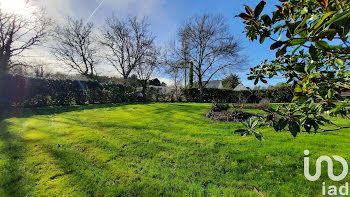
[
  {"x": 240, "y": 87},
  {"x": 163, "y": 90},
  {"x": 214, "y": 84}
]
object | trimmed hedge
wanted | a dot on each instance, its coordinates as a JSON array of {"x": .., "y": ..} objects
[
  {"x": 19, "y": 91},
  {"x": 276, "y": 95}
]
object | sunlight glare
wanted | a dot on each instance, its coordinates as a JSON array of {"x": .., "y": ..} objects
[{"x": 20, "y": 7}]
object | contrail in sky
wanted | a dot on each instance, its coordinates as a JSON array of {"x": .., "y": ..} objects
[{"x": 93, "y": 13}]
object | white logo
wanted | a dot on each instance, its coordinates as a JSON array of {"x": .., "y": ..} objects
[{"x": 330, "y": 167}]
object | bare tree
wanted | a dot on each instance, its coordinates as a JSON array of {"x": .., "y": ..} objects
[
  {"x": 211, "y": 47},
  {"x": 176, "y": 58},
  {"x": 184, "y": 52},
  {"x": 39, "y": 68},
  {"x": 176, "y": 75},
  {"x": 19, "y": 34},
  {"x": 173, "y": 65},
  {"x": 39, "y": 71},
  {"x": 128, "y": 42},
  {"x": 146, "y": 68},
  {"x": 75, "y": 46}
]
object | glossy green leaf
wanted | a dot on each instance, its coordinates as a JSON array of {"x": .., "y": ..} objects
[
  {"x": 298, "y": 41},
  {"x": 249, "y": 11},
  {"x": 329, "y": 94},
  {"x": 303, "y": 34},
  {"x": 254, "y": 123},
  {"x": 244, "y": 16},
  {"x": 259, "y": 8},
  {"x": 329, "y": 33},
  {"x": 262, "y": 39},
  {"x": 322, "y": 44},
  {"x": 298, "y": 89},
  {"x": 313, "y": 53},
  {"x": 258, "y": 135},
  {"x": 310, "y": 67},
  {"x": 267, "y": 20},
  {"x": 347, "y": 74},
  {"x": 281, "y": 51},
  {"x": 323, "y": 19},
  {"x": 304, "y": 11},
  {"x": 300, "y": 26},
  {"x": 251, "y": 77},
  {"x": 300, "y": 68},
  {"x": 340, "y": 62},
  {"x": 276, "y": 45},
  {"x": 294, "y": 128},
  {"x": 338, "y": 17},
  {"x": 256, "y": 81},
  {"x": 263, "y": 80},
  {"x": 280, "y": 125}
]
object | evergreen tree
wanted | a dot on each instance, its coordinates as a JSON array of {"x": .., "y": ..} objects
[{"x": 231, "y": 81}]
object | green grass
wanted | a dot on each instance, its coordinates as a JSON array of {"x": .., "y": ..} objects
[{"x": 154, "y": 149}]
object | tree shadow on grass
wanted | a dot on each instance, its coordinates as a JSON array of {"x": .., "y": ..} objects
[
  {"x": 93, "y": 177},
  {"x": 13, "y": 181},
  {"x": 28, "y": 112},
  {"x": 88, "y": 177}
]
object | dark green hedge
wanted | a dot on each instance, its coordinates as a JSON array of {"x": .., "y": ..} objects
[
  {"x": 28, "y": 92},
  {"x": 276, "y": 95}
]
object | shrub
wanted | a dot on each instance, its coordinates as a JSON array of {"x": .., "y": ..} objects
[
  {"x": 228, "y": 116},
  {"x": 21, "y": 91},
  {"x": 154, "y": 94},
  {"x": 257, "y": 106},
  {"x": 264, "y": 101},
  {"x": 276, "y": 95},
  {"x": 218, "y": 107}
]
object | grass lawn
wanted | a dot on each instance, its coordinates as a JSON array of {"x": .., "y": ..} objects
[{"x": 155, "y": 149}]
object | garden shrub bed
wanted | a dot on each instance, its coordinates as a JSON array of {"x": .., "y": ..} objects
[
  {"x": 275, "y": 95},
  {"x": 230, "y": 116},
  {"x": 19, "y": 91},
  {"x": 257, "y": 106}
]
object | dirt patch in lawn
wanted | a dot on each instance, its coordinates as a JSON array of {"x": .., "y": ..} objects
[{"x": 230, "y": 116}]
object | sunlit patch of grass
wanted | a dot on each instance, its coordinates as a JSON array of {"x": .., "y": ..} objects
[{"x": 154, "y": 149}]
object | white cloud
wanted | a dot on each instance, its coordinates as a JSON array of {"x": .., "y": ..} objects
[
  {"x": 138, "y": 7},
  {"x": 56, "y": 9},
  {"x": 84, "y": 8},
  {"x": 59, "y": 9},
  {"x": 168, "y": 82}
]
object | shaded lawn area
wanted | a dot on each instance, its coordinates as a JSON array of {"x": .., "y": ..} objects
[{"x": 153, "y": 150}]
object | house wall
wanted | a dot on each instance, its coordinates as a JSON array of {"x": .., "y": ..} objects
[{"x": 221, "y": 86}]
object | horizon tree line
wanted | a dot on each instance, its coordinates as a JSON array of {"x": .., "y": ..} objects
[{"x": 203, "y": 47}]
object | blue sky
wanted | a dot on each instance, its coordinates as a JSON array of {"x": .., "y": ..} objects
[{"x": 166, "y": 16}]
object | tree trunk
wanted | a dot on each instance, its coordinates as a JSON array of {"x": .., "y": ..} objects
[
  {"x": 144, "y": 89},
  {"x": 3, "y": 68},
  {"x": 190, "y": 77},
  {"x": 173, "y": 96},
  {"x": 125, "y": 79},
  {"x": 186, "y": 75},
  {"x": 4, "y": 63},
  {"x": 200, "y": 86}
]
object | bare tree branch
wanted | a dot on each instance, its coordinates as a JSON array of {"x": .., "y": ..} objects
[
  {"x": 76, "y": 47},
  {"x": 146, "y": 68},
  {"x": 211, "y": 46},
  {"x": 19, "y": 34},
  {"x": 128, "y": 43}
]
